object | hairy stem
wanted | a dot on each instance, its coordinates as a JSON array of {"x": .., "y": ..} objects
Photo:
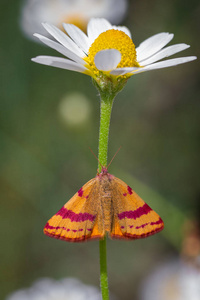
[{"x": 106, "y": 108}]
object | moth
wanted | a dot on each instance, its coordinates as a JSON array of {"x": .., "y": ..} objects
[{"x": 105, "y": 204}]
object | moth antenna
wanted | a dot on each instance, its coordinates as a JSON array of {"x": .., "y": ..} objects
[
  {"x": 96, "y": 158},
  {"x": 113, "y": 157}
]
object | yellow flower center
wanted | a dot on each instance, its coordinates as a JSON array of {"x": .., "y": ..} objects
[{"x": 114, "y": 39}]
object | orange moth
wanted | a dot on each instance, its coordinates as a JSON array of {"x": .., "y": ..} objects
[{"x": 104, "y": 204}]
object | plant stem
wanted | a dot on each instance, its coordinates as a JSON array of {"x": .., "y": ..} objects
[
  {"x": 103, "y": 269},
  {"x": 106, "y": 108}
]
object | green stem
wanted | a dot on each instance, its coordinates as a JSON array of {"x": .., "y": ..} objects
[
  {"x": 103, "y": 269},
  {"x": 106, "y": 108}
]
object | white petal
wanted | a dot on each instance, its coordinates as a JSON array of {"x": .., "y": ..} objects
[
  {"x": 124, "y": 29},
  {"x": 96, "y": 26},
  {"x": 59, "y": 62},
  {"x": 153, "y": 45},
  {"x": 78, "y": 36},
  {"x": 159, "y": 65},
  {"x": 164, "y": 53},
  {"x": 165, "y": 64},
  {"x": 122, "y": 71},
  {"x": 61, "y": 37},
  {"x": 61, "y": 49},
  {"x": 107, "y": 60}
]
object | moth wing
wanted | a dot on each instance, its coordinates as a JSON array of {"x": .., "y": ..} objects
[
  {"x": 133, "y": 218},
  {"x": 78, "y": 220}
]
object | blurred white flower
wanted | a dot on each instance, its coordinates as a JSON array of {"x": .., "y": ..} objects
[
  {"x": 49, "y": 289},
  {"x": 175, "y": 280},
  {"x": 77, "y": 12},
  {"x": 74, "y": 109}
]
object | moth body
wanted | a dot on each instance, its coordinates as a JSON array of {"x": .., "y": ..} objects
[{"x": 104, "y": 204}]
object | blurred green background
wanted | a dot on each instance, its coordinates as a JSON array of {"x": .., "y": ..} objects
[{"x": 45, "y": 159}]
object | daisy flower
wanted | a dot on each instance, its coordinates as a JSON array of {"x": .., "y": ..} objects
[
  {"x": 49, "y": 289},
  {"x": 174, "y": 280},
  {"x": 107, "y": 52},
  {"x": 77, "y": 12}
]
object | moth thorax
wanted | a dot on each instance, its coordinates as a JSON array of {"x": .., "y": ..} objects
[{"x": 106, "y": 201}]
